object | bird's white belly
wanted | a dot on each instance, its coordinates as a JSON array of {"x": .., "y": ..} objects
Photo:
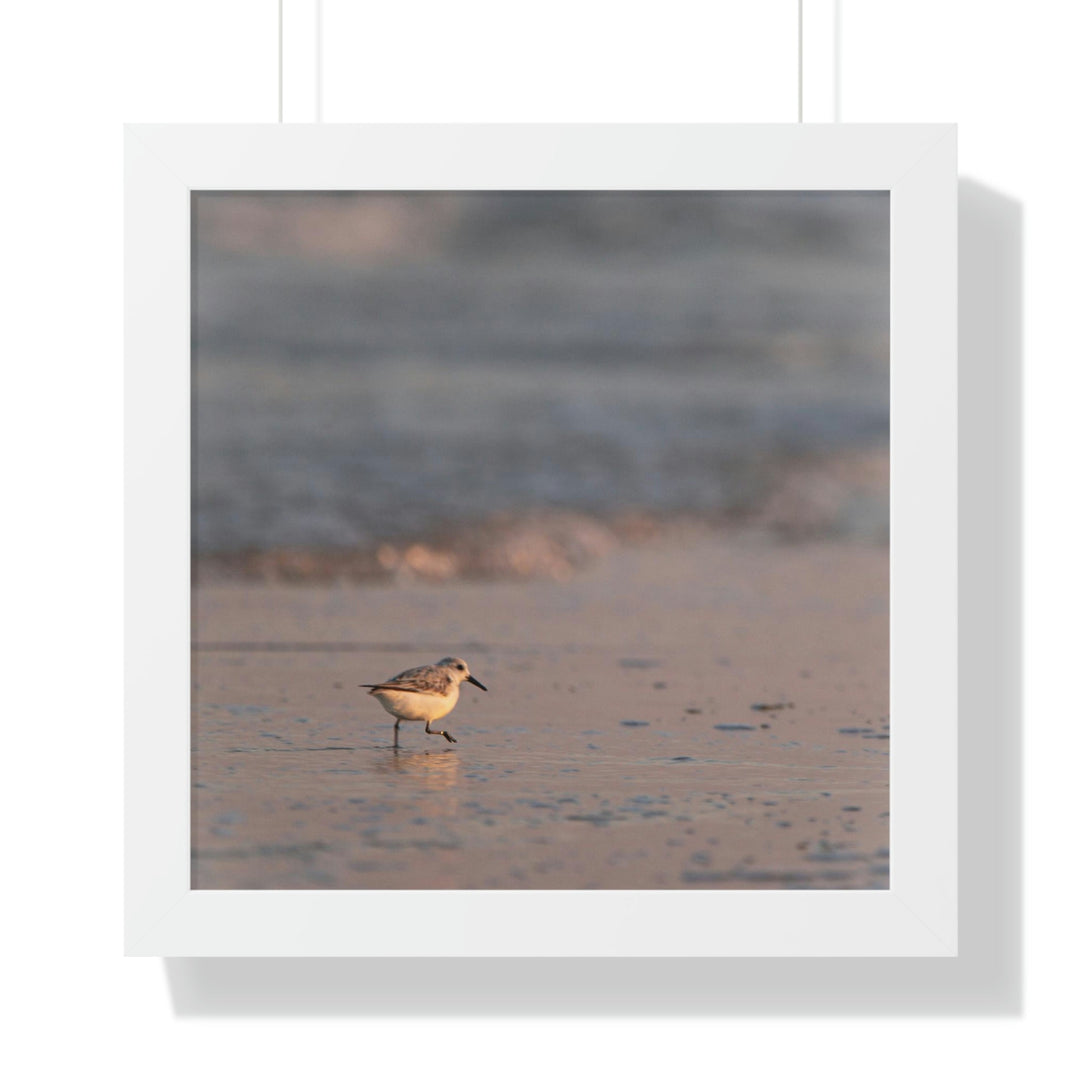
[{"x": 423, "y": 707}]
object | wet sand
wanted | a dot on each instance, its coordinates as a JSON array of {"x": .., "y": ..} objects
[{"x": 708, "y": 714}]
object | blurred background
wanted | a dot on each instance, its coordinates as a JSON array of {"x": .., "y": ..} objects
[{"x": 478, "y": 385}]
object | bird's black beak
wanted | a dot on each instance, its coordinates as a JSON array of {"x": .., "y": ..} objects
[{"x": 475, "y": 682}]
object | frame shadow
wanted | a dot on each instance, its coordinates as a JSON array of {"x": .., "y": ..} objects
[{"x": 986, "y": 978}]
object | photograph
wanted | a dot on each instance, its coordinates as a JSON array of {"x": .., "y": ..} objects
[{"x": 540, "y": 540}]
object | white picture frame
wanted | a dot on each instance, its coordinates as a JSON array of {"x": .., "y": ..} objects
[{"x": 917, "y": 915}]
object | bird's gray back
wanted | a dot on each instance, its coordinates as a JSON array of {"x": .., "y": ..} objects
[{"x": 426, "y": 679}]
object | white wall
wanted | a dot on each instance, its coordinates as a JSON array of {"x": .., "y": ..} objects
[{"x": 71, "y": 73}]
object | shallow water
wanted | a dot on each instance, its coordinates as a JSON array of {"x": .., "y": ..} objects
[
  {"x": 495, "y": 812},
  {"x": 609, "y": 753}
]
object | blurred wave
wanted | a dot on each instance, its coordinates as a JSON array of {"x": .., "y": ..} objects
[{"x": 378, "y": 370}]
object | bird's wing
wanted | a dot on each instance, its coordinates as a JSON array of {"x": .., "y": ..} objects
[{"x": 427, "y": 679}]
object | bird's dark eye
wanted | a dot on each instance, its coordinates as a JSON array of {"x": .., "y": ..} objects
[{"x": 461, "y": 667}]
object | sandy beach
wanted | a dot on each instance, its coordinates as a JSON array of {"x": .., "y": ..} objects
[
  {"x": 708, "y": 713},
  {"x": 625, "y": 453}
]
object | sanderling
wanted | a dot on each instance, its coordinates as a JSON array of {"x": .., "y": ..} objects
[{"x": 425, "y": 693}]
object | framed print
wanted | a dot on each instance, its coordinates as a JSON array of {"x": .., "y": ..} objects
[{"x": 541, "y": 540}]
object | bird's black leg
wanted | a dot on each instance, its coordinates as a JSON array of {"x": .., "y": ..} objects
[
  {"x": 396, "y": 722},
  {"x": 445, "y": 734}
]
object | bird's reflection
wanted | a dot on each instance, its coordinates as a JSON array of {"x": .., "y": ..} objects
[{"x": 436, "y": 771}]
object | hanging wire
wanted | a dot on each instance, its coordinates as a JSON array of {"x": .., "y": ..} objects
[
  {"x": 800, "y": 60},
  {"x": 838, "y": 11},
  {"x": 318, "y": 61},
  {"x": 280, "y": 62}
]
